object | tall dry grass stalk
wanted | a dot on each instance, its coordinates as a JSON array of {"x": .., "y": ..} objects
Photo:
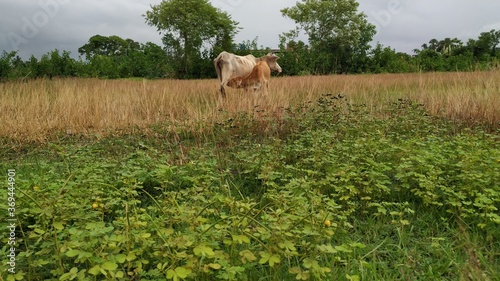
[{"x": 37, "y": 109}]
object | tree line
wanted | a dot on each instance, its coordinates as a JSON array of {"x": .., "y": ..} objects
[{"x": 339, "y": 41}]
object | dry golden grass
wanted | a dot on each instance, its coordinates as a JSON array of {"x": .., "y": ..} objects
[{"x": 37, "y": 109}]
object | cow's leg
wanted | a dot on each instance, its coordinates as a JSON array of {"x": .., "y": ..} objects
[
  {"x": 223, "y": 83},
  {"x": 217, "y": 65},
  {"x": 258, "y": 86},
  {"x": 223, "y": 73},
  {"x": 222, "y": 91}
]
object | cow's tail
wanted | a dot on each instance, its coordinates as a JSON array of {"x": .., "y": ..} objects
[
  {"x": 218, "y": 67},
  {"x": 218, "y": 61}
]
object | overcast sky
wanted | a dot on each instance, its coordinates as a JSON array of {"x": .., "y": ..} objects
[{"x": 39, "y": 26}]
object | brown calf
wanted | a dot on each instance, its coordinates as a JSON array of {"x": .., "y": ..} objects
[
  {"x": 229, "y": 66},
  {"x": 260, "y": 75}
]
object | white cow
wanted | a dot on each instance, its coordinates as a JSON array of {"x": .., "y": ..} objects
[{"x": 229, "y": 66}]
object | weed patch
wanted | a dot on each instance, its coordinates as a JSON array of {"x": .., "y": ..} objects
[{"x": 329, "y": 191}]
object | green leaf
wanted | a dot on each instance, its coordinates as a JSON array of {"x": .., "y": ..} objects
[
  {"x": 241, "y": 239},
  {"x": 264, "y": 257},
  {"x": 179, "y": 272},
  {"x": 269, "y": 258},
  {"x": 120, "y": 258},
  {"x": 119, "y": 274},
  {"x": 131, "y": 256},
  {"x": 342, "y": 248},
  {"x": 352, "y": 277},
  {"x": 18, "y": 276},
  {"x": 247, "y": 256},
  {"x": 327, "y": 248},
  {"x": 171, "y": 274},
  {"x": 69, "y": 275},
  {"x": 287, "y": 245},
  {"x": 214, "y": 265},
  {"x": 202, "y": 250},
  {"x": 95, "y": 270},
  {"x": 311, "y": 263},
  {"x": 301, "y": 274},
  {"x": 162, "y": 266},
  {"x": 73, "y": 253},
  {"x": 58, "y": 225},
  {"x": 404, "y": 222},
  {"x": 182, "y": 272},
  {"x": 109, "y": 265},
  {"x": 357, "y": 245}
]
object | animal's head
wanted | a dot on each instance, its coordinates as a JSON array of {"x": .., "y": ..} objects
[
  {"x": 272, "y": 61},
  {"x": 235, "y": 82}
]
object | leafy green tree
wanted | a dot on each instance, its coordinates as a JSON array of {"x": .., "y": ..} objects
[
  {"x": 132, "y": 64},
  {"x": 433, "y": 44},
  {"x": 107, "y": 46},
  {"x": 192, "y": 29},
  {"x": 338, "y": 33},
  {"x": 486, "y": 45},
  {"x": 461, "y": 62},
  {"x": 430, "y": 60},
  {"x": 296, "y": 56},
  {"x": 453, "y": 55},
  {"x": 115, "y": 57},
  {"x": 103, "y": 66},
  {"x": 245, "y": 47},
  {"x": 156, "y": 61},
  {"x": 380, "y": 56},
  {"x": 55, "y": 64},
  {"x": 6, "y": 64},
  {"x": 448, "y": 46},
  {"x": 387, "y": 60},
  {"x": 32, "y": 67}
]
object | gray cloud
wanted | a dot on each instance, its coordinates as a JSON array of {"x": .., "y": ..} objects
[
  {"x": 39, "y": 26},
  {"x": 407, "y": 24}
]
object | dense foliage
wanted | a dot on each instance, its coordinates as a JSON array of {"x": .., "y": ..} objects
[
  {"x": 339, "y": 35},
  {"x": 105, "y": 57},
  {"x": 150, "y": 60},
  {"x": 194, "y": 32},
  {"x": 331, "y": 193},
  {"x": 438, "y": 55}
]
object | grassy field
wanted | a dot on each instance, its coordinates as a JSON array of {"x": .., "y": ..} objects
[
  {"x": 38, "y": 109},
  {"x": 365, "y": 177}
]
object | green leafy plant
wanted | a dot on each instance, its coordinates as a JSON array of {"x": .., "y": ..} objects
[{"x": 335, "y": 193}]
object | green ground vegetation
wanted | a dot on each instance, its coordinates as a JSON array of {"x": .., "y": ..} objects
[{"x": 331, "y": 192}]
